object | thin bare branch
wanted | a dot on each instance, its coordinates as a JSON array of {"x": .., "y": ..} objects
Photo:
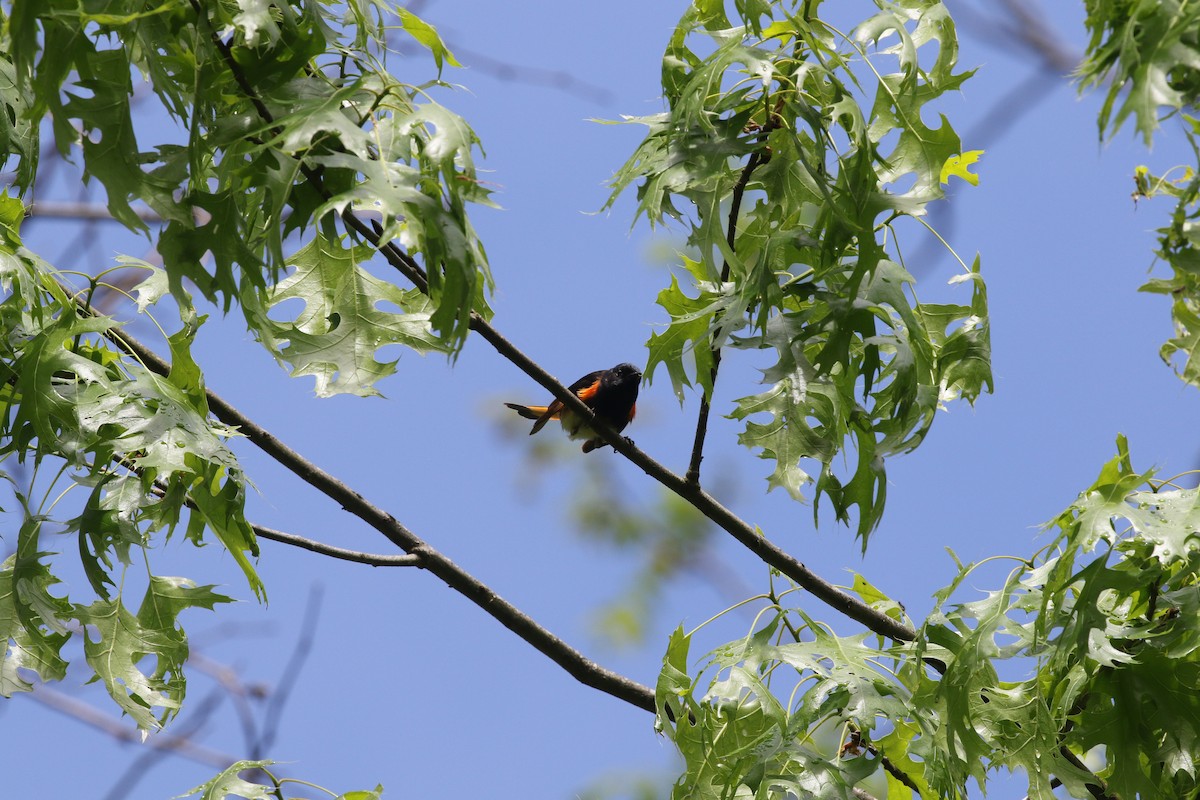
[
  {"x": 283, "y": 537},
  {"x": 291, "y": 672},
  {"x": 81, "y": 711},
  {"x": 138, "y": 768},
  {"x": 735, "y": 210},
  {"x": 239, "y": 693},
  {"x": 84, "y": 210},
  {"x": 373, "y": 559}
]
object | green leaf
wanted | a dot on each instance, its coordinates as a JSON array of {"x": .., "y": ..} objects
[
  {"x": 428, "y": 36},
  {"x": 116, "y": 642},
  {"x": 345, "y": 319},
  {"x": 32, "y": 621},
  {"x": 226, "y": 783},
  {"x": 739, "y": 739},
  {"x": 685, "y": 344},
  {"x": 788, "y": 437},
  {"x": 788, "y": 192},
  {"x": 1147, "y": 55},
  {"x": 960, "y": 165},
  {"x": 19, "y": 138}
]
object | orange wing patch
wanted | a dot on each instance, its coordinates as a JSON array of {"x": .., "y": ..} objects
[{"x": 588, "y": 392}]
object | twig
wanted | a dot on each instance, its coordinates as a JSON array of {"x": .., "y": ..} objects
[
  {"x": 1099, "y": 789},
  {"x": 238, "y": 691},
  {"x": 856, "y": 742},
  {"x": 85, "y": 210},
  {"x": 291, "y": 672},
  {"x": 81, "y": 711},
  {"x": 896, "y": 772},
  {"x": 735, "y": 208},
  {"x": 1054, "y": 784},
  {"x": 374, "y": 559},
  {"x": 560, "y": 80},
  {"x": 183, "y": 732}
]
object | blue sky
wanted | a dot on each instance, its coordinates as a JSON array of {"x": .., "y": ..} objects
[{"x": 410, "y": 685}]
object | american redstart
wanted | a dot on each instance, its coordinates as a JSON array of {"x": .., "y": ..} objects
[{"x": 611, "y": 394}]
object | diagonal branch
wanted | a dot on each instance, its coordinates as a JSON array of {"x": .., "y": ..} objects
[
  {"x": 706, "y": 504},
  {"x": 747, "y": 535},
  {"x": 283, "y": 537},
  {"x": 574, "y": 662},
  {"x": 183, "y": 746}
]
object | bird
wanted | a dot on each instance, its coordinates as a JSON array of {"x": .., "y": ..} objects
[{"x": 611, "y": 394}]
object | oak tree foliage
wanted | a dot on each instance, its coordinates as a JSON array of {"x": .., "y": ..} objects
[{"x": 798, "y": 158}]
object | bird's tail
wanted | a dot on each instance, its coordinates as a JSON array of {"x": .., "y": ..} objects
[{"x": 528, "y": 412}]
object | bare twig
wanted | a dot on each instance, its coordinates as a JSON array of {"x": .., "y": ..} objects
[
  {"x": 291, "y": 672},
  {"x": 735, "y": 209},
  {"x": 85, "y": 210},
  {"x": 81, "y": 711},
  {"x": 183, "y": 733},
  {"x": 374, "y": 559},
  {"x": 239, "y": 693}
]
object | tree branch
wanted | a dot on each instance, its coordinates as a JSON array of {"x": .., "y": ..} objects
[
  {"x": 735, "y": 209},
  {"x": 291, "y": 672},
  {"x": 747, "y": 535},
  {"x": 574, "y": 662},
  {"x": 84, "y": 713},
  {"x": 138, "y": 768},
  {"x": 84, "y": 210},
  {"x": 374, "y": 559}
]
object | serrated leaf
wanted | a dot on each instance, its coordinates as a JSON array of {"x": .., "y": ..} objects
[
  {"x": 684, "y": 347},
  {"x": 125, "y": 640},
  {"x": 1147, "y": 55},
  {"x": 227, "y": 783},
  {"x": 345, "y": 319},
  {"x": 32, "y": 640},
  {"x": 959, "y": 165},
  {"x": 428, "y": 36}
]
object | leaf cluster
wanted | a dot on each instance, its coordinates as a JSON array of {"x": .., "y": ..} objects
[
  {"x": 142, "y": 448},
  {"x": 789, "y": 149},
  {"x": 279, "y": 123},
  {"x": 1104, "y": 621},
  {"x": 289, "y": 120},
  {"x": 1148, "y": 53}
]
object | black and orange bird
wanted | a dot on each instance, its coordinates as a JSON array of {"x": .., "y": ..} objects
[{"x": 611, "y": 394}]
